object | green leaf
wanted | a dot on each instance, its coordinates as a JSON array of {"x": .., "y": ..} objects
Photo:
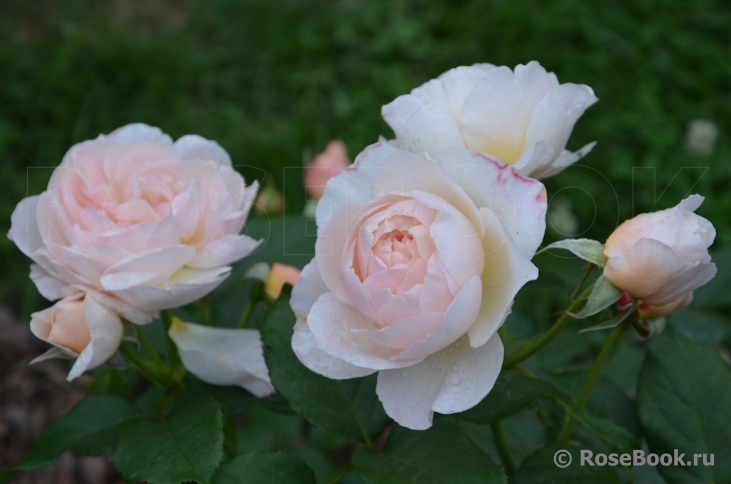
[
  {"x": 611, "y": 322},
  {"x": 511, "y": 394},
  {"x": 187, "y": 446},
  {"x": 265, "y": 468},
  {"x": 235, "y": 400},
  {"x": 608, "y": 431},
  {"x": 587, "y": 249},
  {"x": 541, "y": 468},
  {"x": 349, "y": 408},
  {"x": 701, "y": 325},
  {"x": 90, "y": 428},
  {"x": 602, "y": 296},
  {"x": 437, "y": 455},
  {"x": 684, "y": 398}
]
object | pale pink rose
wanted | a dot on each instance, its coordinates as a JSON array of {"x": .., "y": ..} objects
[
  {"x": 79, "y": 327},
  {"x": 661, "y": 257},
  {"x": 279, "y": 275},
  {"x": 141, "y": 222},
  {"x": 417, "y": 264},
  {"x": 223, "y": 356},
  {"x": 325, "y": 166},
  {"x": 523, "y": 117}
]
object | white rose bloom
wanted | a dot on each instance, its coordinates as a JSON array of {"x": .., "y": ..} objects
[{"x": 523, "y": 117}]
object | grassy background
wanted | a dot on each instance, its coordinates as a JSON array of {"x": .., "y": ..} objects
[{"x": 272, "y": 82}]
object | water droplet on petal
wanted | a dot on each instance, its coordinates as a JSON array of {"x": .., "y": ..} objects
[{"x": 455, "y": 381}]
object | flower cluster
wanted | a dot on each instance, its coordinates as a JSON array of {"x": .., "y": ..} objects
[{"x": 423, "y": 243}]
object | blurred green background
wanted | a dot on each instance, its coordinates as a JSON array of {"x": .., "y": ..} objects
[{"x": 272, "y": 82}]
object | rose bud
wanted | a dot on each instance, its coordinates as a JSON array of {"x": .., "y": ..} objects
[
  {"x": 79, "y": 327},
  {"x": 659, "y": 258},
  {"x": 279, "y": 275},
  {"x": 325, "y": 166}
]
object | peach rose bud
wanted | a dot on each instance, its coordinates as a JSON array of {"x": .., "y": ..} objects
[
  {"x": 279, "y": 275},
  {"x": 325, "y": 166},
  {"x": 660, "y": 258},
  {"x": 78, "y": 327}
]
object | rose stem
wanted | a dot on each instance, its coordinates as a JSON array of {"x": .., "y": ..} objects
[
  {"x": 530, "y": 348},
  {"x": 606, "y": 350},
  {"x": 148, "y": 347},
  {"x": 246, "y": 315},
  {"x": 173, "y": 356},
  {"x": 147, "y": 371},
  {"x": 502, "y": 446},
  {"x": 586, "y": 275}
]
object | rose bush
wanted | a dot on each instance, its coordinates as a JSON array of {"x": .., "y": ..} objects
[
  {"x": 523, "y": 116},
  {"x": 661, "y": 257},
  {"x": 417, "y": 264},
  {"x": 136, "y": 221}
]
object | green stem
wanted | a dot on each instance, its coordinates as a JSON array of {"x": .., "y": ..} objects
[
  {"x": 502, "y": 447},
  {"x": 344, "y": 472},
  {"x": 596, "y": 370},
  {"x": 246, "y": 315},
  {"x": 532, "y": 347},
  {"x": 148, "y": 371},
  {"x": 586, "y": 275},
  {"x": 175, "y": 365},
  {"x": 148, "y": 346}
]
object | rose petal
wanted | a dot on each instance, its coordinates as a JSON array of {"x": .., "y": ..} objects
[
  {"x": 24, "y": 227},
  {"x": 303, "y": 345},
  {"x": 449, "y": 90},
  {"x": 194, "y": 147},
  {"x": 185, "y": 286},
  {"x": 106, "y": 334},
  {"x": 520, "y": 202},
  {"x": 308, "y": 288},
  {"x": 224, "y": 251},
  {"x": 140, "y": 132},
  {"x": 497, "y": 111},
  {"x": 332, "y": 322},
  {"x": 222, "y": 356},
  {"x": 452, "y": 380},
  {"x": 509, "y": 270},
  {"x": 420, "y": 126},
  {"x": 556, "y": 114},
  {"x": 460, "y": 315}
]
